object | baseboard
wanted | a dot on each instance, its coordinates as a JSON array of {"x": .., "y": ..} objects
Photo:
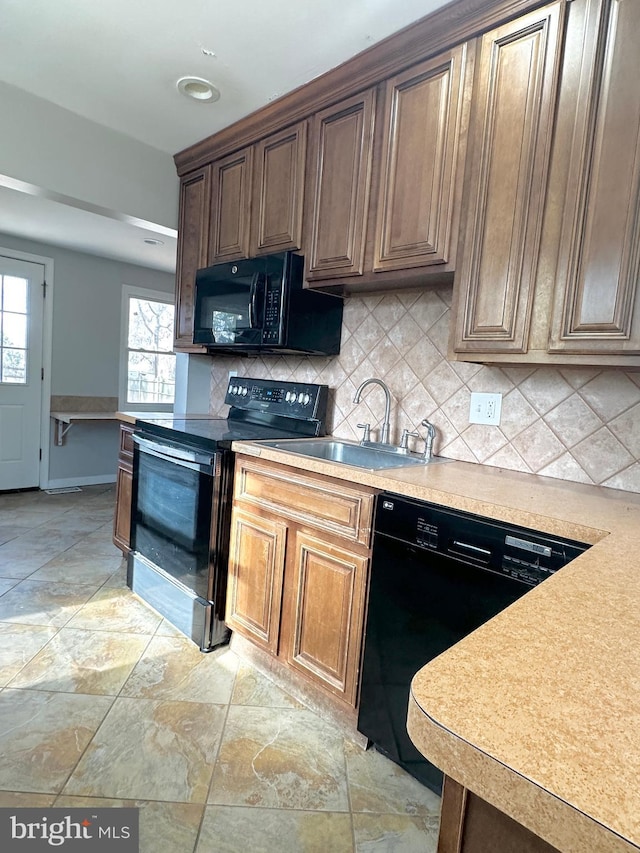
[{"x": 96, "y": 480}]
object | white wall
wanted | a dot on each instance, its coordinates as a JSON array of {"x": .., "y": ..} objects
[
  {"x": 57, "y": 150},
  {"x": 87, "y": 297}
]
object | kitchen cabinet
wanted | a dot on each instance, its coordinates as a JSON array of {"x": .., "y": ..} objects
[
  {"x": 469, "y": 824},
  {"x": 342, "y": 151},
  {"x": 299, "y": 560},
  {"x": 507, "y": 165},
  {"x": 422, "y": 163},
  {"x": 278, "y": 193},
  {"x": 124, "y": 484},
  {"x": 193, "y": 236},
  {"x": 231, "y": 181},
  {"x": 596, "y": 308},
  {"x": 257, "y": 197}
]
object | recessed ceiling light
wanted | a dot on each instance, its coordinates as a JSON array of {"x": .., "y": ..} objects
[
  {"x": 199, "y": 89},
  {"x": 151, "y": 241}
]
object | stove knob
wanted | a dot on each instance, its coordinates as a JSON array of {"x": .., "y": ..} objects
[
  {"x": 306, "y": 399},
  {"x": 244, "y": 391},
  {"x": 288, "y": 396},
  {"x": 233, "y": 389},
  {"x": 300, "y": 397}
]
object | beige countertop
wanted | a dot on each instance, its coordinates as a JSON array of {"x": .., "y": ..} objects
[
  {"x": 132, "y": 417},
  {"x": 538, "y": 711}
]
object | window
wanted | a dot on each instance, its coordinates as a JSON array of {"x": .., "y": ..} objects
[
  {"x": 148, "y": 360},
  {"x": 13, "y": 329}
]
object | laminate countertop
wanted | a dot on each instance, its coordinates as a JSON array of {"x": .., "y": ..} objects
[{"x": 538, "y": 710}]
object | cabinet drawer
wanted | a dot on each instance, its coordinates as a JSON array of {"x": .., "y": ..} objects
[
  {"x": 126, "y": 442},
  {"x": 319, "y": 501}
]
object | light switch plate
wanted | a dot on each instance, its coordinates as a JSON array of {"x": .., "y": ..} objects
[{"x": 485, "y": 408}]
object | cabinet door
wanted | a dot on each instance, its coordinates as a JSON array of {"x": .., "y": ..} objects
[
  {"x": 231, "y": 207},
  {"x": 342, "y": 152},
  {"x": 596, "y": 305},
  {"x": 193, "y": 236},
  {"x": 256, "y": 569},
  {"x": 325, "y": 593},
  {"x": 508, "y": 156},
  {"x": 421, "y": 166},
  {"x": 122, "y": 519},
  {"x": 279, "y": 191}
]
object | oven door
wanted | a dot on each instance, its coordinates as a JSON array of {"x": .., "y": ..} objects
[{"x": 179, "y": 536}]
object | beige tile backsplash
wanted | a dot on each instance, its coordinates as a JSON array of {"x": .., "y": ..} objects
[{"x": 573, "y": 423}]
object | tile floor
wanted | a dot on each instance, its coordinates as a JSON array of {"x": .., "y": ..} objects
[{"x": 103, "y": 703}]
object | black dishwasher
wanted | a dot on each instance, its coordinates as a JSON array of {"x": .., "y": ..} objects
[{"x": 437, "y": 574}]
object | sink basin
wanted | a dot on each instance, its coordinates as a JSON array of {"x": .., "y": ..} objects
[{"x": 373, "y": 458}]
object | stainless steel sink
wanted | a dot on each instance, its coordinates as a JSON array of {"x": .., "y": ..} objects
[{"x": 372, "y": 456}]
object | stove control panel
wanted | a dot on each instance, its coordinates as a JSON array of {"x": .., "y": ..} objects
[{"x": 301, "y": 400}]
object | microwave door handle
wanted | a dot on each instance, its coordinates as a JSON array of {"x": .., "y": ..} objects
[
  {"x": 253, "y": 290},
  {"x": 256, "y": 301}
]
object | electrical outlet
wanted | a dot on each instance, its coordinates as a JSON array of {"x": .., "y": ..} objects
[{"x": 485, "y": 408}]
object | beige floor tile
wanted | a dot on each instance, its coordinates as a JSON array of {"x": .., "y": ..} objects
[
  {"x": 378, "y": 785},
  {"x": 279, "y": 758},
  {"x": 42, "y": 603},
  {"x": 232, "y": 829},
  {"x": 77, "y": 661},
  {"x": 166, "y": 629},
  {"x": 119, "y": 580},
  {"x": 42, "y": 736},
  {"x": 114, "y": 609},
  {"x": 383, "y": 833},
  {"x": 18, "y": 645},
  {"x": 7, "y": 583},
  {"x": 77, "y": 568},
  {"x": 175, "y": 668},
  {"x": 253, "y": 688},
  {"x": 153, "y": 750},
  {"x": 164, "y": 827},
  {"x": 18, "y": 800}
]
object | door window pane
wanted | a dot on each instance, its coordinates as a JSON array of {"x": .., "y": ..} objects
[{"x": 13, "y": 329}]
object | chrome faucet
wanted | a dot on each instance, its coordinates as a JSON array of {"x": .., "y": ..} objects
[
  {"x": 428, "y": 442},
  {"x": 384, "y": 438}
]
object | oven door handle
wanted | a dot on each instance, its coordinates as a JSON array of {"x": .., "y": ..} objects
[{"x": 190, "y": 459}]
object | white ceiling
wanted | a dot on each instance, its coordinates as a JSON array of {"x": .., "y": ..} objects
[{"x": 116, "y": 63}]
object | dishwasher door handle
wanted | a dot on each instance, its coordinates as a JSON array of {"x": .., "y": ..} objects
[{"x": 464, "y": 549}]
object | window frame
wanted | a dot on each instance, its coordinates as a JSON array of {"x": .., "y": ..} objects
[{"x": 131, "y": 292}]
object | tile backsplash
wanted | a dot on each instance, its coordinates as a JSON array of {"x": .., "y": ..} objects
[{"x": 573, "y": 423}]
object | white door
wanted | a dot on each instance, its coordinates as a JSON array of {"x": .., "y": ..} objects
[{"x": 21, "y": 319}]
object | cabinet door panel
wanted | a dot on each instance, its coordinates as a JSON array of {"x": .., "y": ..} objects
[
  {"x": 256, "y": 568},
  {"x": 595, "y": 307},
  {"x": 510, "y": 132},
  {"x": 279, "y": 191},
  {"x": 122, "y": 520},
  {"x": 327, "y": 599},
  {"x": 193, "y": 237},
  {"x": 423, "y": 115},
  {"x": 343, "y": 144},
  {"x": 231, "y": 207}
]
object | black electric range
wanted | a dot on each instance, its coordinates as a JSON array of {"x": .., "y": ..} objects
[{"x": 181, "y": 500}]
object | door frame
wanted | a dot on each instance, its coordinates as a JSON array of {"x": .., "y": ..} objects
[{"x": 47, "y": 348}]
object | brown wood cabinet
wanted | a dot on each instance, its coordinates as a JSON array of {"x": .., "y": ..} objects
[
  {"x": 507, "y": 164},
  {"x": 231, "y": 189},
  {"x": 124, "y": 483},
  {"x": 422, "y": 163},
  {"x": 193, "y": 236},
  {"x": 342, "y": 155},
  {"x": 469, "y": 824},
  {"x": 299, "y": 560},
  {"x": 596, "y": 306}
]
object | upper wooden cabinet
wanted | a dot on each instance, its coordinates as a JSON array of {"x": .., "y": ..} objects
[
  {"x": 421, "y": 166},
  {"x": 279, "y": 191},
  {"x": 193, "y": 236},
  {"x": 257, "y": 198},
  {"x": 507, "y": 164},
  {"x": 596, "y": 306},
  {"x": 342, "y": 150},
  {"x": 231, "y": 207}
]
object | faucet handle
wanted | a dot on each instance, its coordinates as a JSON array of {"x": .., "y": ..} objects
[
  {"x": 404, "y": 441},
  {"x": 367, "y": 431}
]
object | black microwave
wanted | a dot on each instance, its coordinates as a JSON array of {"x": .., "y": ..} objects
[{"x": 259, "y": 305}]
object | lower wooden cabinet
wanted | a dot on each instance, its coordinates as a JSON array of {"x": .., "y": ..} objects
[
  {"x": 296, "y": 588},
  {"x": 124, "y": 483}
]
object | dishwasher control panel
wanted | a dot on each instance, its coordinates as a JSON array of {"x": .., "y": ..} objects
[{"x": 528, "y": 556}]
